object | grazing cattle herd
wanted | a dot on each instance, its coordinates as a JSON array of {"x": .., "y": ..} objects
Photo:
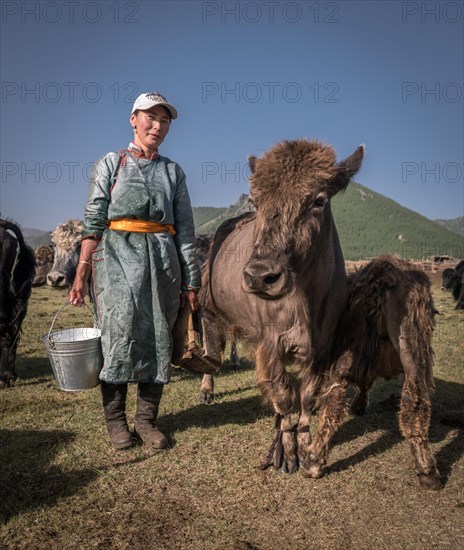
[{"x": 276, "y": 278}]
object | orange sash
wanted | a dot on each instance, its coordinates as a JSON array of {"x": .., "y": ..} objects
[{"x": 140, "y": 226}]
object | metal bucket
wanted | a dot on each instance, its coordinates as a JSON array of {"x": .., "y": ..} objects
[{"x": 75, "y": 355}]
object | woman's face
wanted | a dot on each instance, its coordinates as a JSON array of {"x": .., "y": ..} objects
[{"x": 151, "y": 127}]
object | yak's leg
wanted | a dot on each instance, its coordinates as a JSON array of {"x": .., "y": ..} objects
[
  {"x": 332, "y": 413},
  {"x": 212, "y": 344},
  {"x": 275, "y": 384},
  {"x": 13, "y": 359},
  {"x": 333, "y": 409},
  {"x": 207, "y": 389},
  {"x": 361, "y": 399},
  {"x": 415, "y": 415},
  {"x": 7, "y": 361},
  {"x": 234, "y": 358},
  {"x": 4, "y": 352},
  {"x": 415, "y": 409},
  {"x": 310, "y": 385},
  {"x": 207, "y": 382}
]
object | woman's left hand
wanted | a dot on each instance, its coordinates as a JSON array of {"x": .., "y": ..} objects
[{"x": 189, "y": 297}]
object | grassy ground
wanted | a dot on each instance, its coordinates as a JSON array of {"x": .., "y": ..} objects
[{"x": 63, "y": 486}]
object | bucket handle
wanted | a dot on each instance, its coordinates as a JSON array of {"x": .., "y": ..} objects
[{"x": 50, "y": 340}]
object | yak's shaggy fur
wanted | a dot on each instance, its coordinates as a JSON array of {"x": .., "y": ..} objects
[
  {"x": 284, "y": 184},
  {"x": 370, "y": 310},
  {"x": 386, "y": 331},
  {"x": 44, "y": 254},
  {"x": 67, "y": 234}
]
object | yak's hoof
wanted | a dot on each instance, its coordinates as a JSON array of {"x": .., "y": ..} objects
[
  {"x": 312, "y": 470},
  {"x": 289, "y": 466},
  {"x": 430, "y": 481},
  {"x": 292, "y": 466},
  {"x": 206, "y": 397},
  {"x": 5, "y": 381}
]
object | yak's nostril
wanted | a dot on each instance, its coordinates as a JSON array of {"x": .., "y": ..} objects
[
  {"x": 271, "y": 279},
  {"x": 248, "y": 278},
  {"x": 265, "y": 278}
]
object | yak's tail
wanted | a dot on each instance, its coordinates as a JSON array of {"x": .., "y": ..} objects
[{"x": 8, "y": 225}]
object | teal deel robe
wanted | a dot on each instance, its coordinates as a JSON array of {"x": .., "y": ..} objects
[{"x": 137, "y": 277}]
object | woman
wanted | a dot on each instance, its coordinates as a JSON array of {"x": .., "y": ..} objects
[{"x": 139, "y": 244}]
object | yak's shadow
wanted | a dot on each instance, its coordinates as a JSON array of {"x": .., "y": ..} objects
[
  {"x": 447, "y": 422},
  {"x": 240, "y": 411},
  {"x": 33, "y": 370},
  {"x": 382, "y": 414},
  {"x": 29, "y": 480}
]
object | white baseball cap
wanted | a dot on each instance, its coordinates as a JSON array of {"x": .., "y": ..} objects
[{"x": 150, "y": 99}]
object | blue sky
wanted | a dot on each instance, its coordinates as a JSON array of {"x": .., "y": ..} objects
[{"x": 243, "y": 76}]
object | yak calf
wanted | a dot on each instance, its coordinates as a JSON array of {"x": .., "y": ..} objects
[{"x": 387, "y": 330}]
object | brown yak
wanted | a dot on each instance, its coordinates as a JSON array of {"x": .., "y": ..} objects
[
  {"x": 277, "y": 277},
  {"x": 203, "y": 243},
  {"x": 386, "y": 331},
  {"x": 179, "y": 333},
  {"x": 43, "y": 264}
]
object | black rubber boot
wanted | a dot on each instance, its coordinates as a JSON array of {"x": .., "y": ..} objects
[
  {"x": 114, "y": 405},
  {"x": 148, "y": 399}
]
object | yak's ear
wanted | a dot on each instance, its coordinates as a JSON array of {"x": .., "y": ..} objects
[
  {"x": 346, "y": 169},
  {"x": 252, "y": 163}
]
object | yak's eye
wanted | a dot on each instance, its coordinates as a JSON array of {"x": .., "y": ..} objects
[{"x": 320, "y": 201}]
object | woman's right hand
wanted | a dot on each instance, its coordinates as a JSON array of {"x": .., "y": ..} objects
[
  {"x": 80, "y": 287},
  {"x": 79, "y": 291}
]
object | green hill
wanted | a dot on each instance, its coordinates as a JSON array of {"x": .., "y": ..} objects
[{"x": 370, "y": 224}]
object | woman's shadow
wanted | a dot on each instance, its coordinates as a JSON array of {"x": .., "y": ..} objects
[{"x": 29, "y": 480}]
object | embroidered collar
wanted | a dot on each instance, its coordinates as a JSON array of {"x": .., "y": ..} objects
[{"x": 137, "y": 152}]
